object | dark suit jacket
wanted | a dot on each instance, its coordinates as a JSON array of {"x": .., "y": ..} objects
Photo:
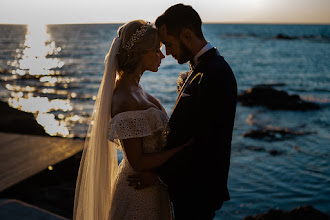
[{"x": 205, "y": 110}]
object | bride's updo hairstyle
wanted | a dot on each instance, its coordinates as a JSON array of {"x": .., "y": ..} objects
[{"x": 138, "y": 37}]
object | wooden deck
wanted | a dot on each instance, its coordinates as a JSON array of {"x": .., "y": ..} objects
[{"x": 22, "y": 156}]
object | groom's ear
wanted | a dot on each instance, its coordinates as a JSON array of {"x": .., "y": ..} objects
[{"x": 186, "y": 35}]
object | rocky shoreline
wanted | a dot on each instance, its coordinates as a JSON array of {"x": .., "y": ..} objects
[
  {"x": 299, "y": 213},
  {"x": 266, "y": 95},
  {"x": 16, "y": 121},
  {"x": 53, "y": 189}
]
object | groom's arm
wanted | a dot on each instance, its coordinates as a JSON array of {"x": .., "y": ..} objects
[
  {"x": 218, "y": 106},
  {"x": 218, "y": 94}
]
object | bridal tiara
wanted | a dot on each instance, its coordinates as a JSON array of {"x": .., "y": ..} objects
[{"x": 137, "y": 35}]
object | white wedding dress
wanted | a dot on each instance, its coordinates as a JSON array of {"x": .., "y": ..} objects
[{"x": 151, "y": 203}]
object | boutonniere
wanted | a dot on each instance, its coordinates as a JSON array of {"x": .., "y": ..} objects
[{"x": 181, "y": 80}]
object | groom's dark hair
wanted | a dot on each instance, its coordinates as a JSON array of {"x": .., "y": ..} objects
[{"x": 178, "y": 17}]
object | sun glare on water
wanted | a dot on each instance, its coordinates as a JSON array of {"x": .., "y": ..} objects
[
  {"x": 36, "y": 60},
  {"x": 37, "y": 48}
]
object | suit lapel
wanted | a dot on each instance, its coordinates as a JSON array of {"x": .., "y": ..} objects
[
  {"x": 183, "y": 88},
  {"x": 192, "y": 76}
]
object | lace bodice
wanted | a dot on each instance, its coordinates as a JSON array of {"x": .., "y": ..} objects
[
  {"x": 150, "y": 124},
  {"x": 128, "y": 203}
]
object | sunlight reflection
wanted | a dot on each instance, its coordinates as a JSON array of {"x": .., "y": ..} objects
[
  {"x": 37, "y": 60},
  {"x": 41, "y": 106},
  {"x": 51, "y": 125},
  {"x": 38, "y": 104},
  {"x": 48, "y": 79},
  {"x": 49, "y": 91},
  {"x": 38, "y": 84},
  {"x": 19, "y": 88},
  {"x": 37, "y": 47}
]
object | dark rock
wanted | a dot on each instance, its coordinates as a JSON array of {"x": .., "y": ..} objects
[
  {"x": 5, "y": 71},
  {"x": 273, "y": 134},
  {"x": 272, "y": 152},
  {"x": 275, "y": 152},
  {"x": 15, "y": 121},
  {"x": 300, "y": 213},
  {"x": 272, "y": 85},
  {"x": 285, "y": 37},
  {"x": 255, "y": 148},
  {"x": 273, "y": 99}
]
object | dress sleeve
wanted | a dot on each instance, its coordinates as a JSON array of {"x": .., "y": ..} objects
[{"x": 135, "y": 124}]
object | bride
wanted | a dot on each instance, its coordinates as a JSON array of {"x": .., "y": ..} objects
[{"x": 128, "y": 118}]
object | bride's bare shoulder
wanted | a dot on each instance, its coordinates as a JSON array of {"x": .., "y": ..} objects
[{"x": 123, "y": 102}]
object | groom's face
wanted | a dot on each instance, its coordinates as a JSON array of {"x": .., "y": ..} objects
[{"x": 174, "y": 46}]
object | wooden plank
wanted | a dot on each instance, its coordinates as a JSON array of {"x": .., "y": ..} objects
[
  {"x": 14, "y": 209},
  {"x": 22, "y": 156}
]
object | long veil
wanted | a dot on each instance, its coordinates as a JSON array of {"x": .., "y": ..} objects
[{"x": 99, "y": 161}]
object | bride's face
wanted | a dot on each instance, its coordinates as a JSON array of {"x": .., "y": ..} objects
[{"x": 151, "y": 60}]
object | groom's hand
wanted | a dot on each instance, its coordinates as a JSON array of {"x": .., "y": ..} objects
[{"x": 143, "y": 180}]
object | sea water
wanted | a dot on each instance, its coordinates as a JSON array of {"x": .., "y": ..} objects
[{"x": 54, "y": 71}]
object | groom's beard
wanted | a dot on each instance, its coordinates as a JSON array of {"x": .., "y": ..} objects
[{"x": 185, "y": 54}]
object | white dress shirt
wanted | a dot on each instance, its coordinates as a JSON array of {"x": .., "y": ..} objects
[{"x": 207, "y": 47}]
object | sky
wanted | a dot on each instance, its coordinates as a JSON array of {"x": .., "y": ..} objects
[{"x": 121, "y": 11}]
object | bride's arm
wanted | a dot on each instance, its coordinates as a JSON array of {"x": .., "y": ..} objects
[{"x": 141, "y": 161}]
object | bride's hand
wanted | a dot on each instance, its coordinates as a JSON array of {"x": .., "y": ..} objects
[{"x": 143, "y": 179}]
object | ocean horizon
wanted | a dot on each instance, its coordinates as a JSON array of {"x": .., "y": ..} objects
[
  {"x": 204, "y": 23},
  {"x": 54, "y": 72}
]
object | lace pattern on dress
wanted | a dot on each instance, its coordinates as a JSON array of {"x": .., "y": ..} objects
[{"x": 134, "y": 124}]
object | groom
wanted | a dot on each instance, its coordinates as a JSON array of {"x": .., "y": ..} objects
[{"x": 204, "y": 111}]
